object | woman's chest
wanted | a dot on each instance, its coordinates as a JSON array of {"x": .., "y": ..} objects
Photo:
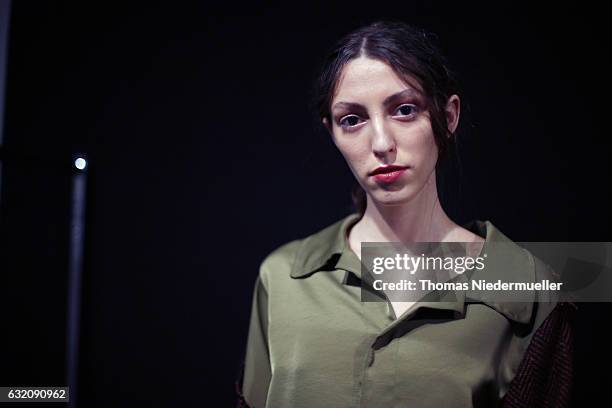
[{"x": 328, "y": 340}]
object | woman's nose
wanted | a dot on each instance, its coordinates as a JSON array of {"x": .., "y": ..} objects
[{"x": 383, "y": 142}]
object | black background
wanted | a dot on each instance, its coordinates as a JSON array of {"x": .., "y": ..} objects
[{"x": 204, "y": 157}]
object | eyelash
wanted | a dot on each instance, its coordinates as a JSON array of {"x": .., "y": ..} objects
[{"x": 345, "y": 126}]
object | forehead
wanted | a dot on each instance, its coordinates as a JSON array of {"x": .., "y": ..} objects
[{"x": 365, "y": 77}]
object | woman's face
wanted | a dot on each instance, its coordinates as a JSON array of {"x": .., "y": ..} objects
[{"x": 379, "y": 120}]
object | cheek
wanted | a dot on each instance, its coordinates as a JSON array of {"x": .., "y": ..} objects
[
  {"x": 421, "y": 145},
  {"x": 355, "y": 153}
]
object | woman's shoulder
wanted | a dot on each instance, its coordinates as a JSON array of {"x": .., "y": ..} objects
[
  {"x": 279, "y": 260},
  {"x": 539, "y": 269},
  {"x": 508, "y": 260}
]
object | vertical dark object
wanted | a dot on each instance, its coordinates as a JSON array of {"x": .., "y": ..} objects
[
  {"x": 75, "y": 268},
  {"x": 5, "y": 12}
]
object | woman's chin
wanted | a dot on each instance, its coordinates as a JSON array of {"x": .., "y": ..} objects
[{"x": 393, "y": 198}]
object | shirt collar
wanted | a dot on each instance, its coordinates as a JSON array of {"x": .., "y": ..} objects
[{"x": 328, "y": 250}]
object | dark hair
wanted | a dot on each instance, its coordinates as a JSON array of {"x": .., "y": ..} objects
[{"x": 412, "y": 53}]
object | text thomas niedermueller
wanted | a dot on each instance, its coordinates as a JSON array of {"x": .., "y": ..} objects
[{"x": 481, "y": 284}]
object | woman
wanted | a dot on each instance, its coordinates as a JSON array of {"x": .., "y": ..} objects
[{"x": 391, "y": 107}]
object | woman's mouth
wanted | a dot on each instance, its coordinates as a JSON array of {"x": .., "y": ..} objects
[{"x": 388, "y": 174}]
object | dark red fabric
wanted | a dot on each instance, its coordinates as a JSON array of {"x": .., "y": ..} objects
[{"x": 544, "y": 377}]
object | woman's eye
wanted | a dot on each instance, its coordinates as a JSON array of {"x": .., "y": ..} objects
[
  {"x": 350, "y": 120},
  {"x": 405, "y": 110}
]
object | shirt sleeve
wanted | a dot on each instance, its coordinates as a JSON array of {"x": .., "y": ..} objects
[{"x": 257, "y": 370}]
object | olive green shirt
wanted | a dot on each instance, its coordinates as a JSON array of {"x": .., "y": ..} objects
[{"x": 312, "y": 342}]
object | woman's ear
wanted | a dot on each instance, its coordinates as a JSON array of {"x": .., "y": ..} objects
[
  {"x": 328, "y": 126},
  {"x": 453, "y": 109}
]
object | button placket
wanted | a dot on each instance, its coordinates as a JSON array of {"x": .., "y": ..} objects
[{"x": 369, "y": 361}]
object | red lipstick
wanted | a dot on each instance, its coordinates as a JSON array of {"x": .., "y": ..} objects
[{"x": 388, "y": 174}]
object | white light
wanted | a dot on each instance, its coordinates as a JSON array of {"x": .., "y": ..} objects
[{"x": 80, "y": 163}]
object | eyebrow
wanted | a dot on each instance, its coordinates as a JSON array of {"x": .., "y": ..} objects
[{"x": 389, "y": 100}]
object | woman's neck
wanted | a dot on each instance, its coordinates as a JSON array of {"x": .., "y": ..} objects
[{"x": 420, "y": 220}]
